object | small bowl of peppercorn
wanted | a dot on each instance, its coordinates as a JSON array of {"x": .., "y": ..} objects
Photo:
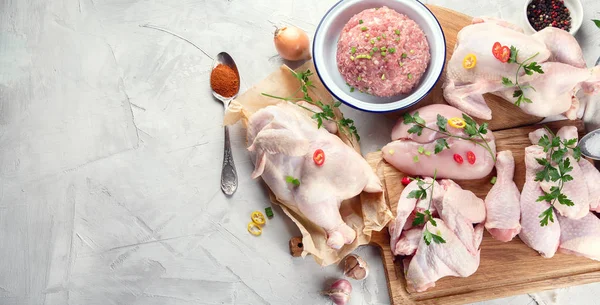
[{"x": 563, "y": 14}]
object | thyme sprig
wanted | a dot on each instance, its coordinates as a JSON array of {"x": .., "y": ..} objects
[
  {"x": 474, "y": 131},
  {"x": 556, "y": 168},
  {"x": 345, "y": 125},
  {"x": 529, "y": 67},
  {"x": 425, "y": 217}
]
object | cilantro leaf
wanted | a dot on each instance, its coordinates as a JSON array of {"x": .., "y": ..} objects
[
  {"x": 547, "y": 215},
  {"x": 507, "y": 82},
  {"x": 419, "y": 219},
  {"x": 547, "y": 197},
  {"x": 533, "y": 67},
  {"x": 430, "y": 218},
  {"x": 544, "y": 142},
  {"x": 408, "y": 118},
  {"x": 427, "y": 236},
  {"x": 570, "y": 142},
  {"x": 562, "y": 199},
  {"x": 440, "y": 144},
  {"x": 442, "y": 122},
  {"x": 418, "y": 129},
  {"x": 565, "y": 166},
  {"x": 596, "y": 22},
  {"x": 513, "y": 55},
  {"x": 418, "y": 119},
  {"x": 470, "y": 130},
  {"x": 438, "y": 239},
  {"x": 337, "y": 104},
  {"x": 417, "y": 194},
  {"x": 469, "y": 120},
  {"x": 483, "y": 129},
  {"x": 542, "y": 161},
  {"x": 577, "y": 153},
  {"x": 558, "y": 155},
  {"x": 553, "y": 173}
]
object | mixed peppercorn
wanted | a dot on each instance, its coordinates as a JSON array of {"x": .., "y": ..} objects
[{"x": 545, "y": 13}]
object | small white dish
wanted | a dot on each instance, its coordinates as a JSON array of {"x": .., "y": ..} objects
[
  {"x": 584, "y": 148},
  {"x": 325, "y": 48},
  {"x": 575, "y": 9}
]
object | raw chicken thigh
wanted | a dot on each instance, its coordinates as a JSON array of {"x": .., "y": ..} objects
[
  {"x": 545, "y": 239},
  {"x": 283, "y": 141},
  {"x": 502, "y": 202},
  {"x": 456, "y": 211},
  {"x": 575, "y": 229},
  {"x": 558, "y": 54},
  {"x": 405, "y": 147}
]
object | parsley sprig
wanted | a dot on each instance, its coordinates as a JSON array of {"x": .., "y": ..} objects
[
  {"x": 425, "y": 217},
  {"x": 529, "y": 67},
  {"x": 556, "y": 168},
  {"x": 345, "y": 125},
  {"x": 474, "y": 131}
]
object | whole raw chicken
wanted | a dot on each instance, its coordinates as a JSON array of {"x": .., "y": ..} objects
[
  {"x": 453, "y": 163},
  {"x": 284, "y": 140},
  {"x": 551, "y": 93}
]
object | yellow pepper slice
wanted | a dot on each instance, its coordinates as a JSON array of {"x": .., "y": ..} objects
[
  {"x": 258, "y": 218},
  {"x": 457, "y": 123},
  {"x": 254, "y": 229},
  {"x": 469, "y": 61}
]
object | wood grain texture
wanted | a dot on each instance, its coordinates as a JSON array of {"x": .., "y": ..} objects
[
  {"x": 506, "y": 268},
  {"x": 505, "y": 114}
]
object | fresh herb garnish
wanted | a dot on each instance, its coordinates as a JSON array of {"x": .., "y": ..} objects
[
  {"x": 557, "y": 167},
  {"x": 529, "y": 67},
  {"x": 596, "y": 22},
  {"x": 425, "y": 217},
  {"x": 345, "y": 125},
  {"x": 472, "y": 129},
  {"x": 292, "y": 180}
]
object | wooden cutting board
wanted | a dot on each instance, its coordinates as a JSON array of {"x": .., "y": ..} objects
[
  {"x": 506, "y": 268},
  {"x": 505, "y": 115}
]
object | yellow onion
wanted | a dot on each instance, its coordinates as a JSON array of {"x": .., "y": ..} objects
[{"x": 292, "y": 43}]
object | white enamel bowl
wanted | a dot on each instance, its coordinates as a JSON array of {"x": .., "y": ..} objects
[{"x": 325, "y": 48}]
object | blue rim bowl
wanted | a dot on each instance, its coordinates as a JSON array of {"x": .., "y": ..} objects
[{"x": 325, "y": 48}]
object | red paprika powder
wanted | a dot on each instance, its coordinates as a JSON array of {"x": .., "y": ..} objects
[{"x": 224, "y": 81}]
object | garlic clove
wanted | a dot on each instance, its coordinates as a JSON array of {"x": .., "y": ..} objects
[
  {"x": 339, "y": 292},
  {"x": 355, "y": 267}
]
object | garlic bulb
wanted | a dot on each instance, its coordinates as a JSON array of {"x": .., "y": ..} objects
[
  {"x": 355, "y": 267},
  {"x": 339, "y": 292}
]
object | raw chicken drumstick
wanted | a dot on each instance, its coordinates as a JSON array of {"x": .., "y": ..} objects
[{"x": 503, "y": 201}]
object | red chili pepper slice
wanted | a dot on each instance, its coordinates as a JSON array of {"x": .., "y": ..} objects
[
  {"x": 458, "y": 159},
  {"x": 496, "y": 49},
  {"x": 471, "y": 157},
  {"x": 319, "y": 157},
  {"x": 504, "y": 54},
  {"x": 405, "y": 181}
]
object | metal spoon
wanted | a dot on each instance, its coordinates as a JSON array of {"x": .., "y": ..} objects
[
  {"x": 582, "y": 146},
  {"x": 229, "y": 179}
]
